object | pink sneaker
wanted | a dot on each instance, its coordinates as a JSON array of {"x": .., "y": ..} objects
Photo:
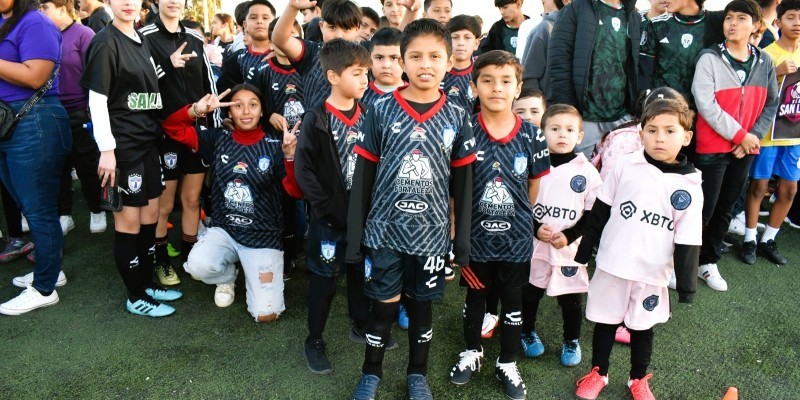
[
  {"x": 590, "y": 386},
  {"x": 640, "y": 389},
  {"x": 623, "y": 335}
]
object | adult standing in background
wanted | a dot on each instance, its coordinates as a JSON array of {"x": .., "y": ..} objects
[{"x": 223, "y": 28}]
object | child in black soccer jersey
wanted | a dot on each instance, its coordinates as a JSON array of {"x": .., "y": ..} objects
[
  {"x": 281, "y": 86},
  {"x": 387, "y": 74},
  {"x": 324, "y": 163},
  {"x": 466, "y": 33},
  {"x": 415, "y": 146},
  {"x": 506, "y": 177},
  {"x": 123, "y": 96},
  {"x": 239, "y": 66}
]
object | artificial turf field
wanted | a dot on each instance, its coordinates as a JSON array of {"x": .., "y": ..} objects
[{"x": 89, "y": 347}]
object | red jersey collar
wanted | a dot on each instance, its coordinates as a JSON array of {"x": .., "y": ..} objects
[
  {"x": 278, "y": 68},
  {"x": 338, "y": 114},
  {"x": 507, "y": 138},
  {"x": 462, "y": 72},
  {"x": 413, "y": 113}
]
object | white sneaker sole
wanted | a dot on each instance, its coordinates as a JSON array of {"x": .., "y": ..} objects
[
  {"x": 6, "y": 311},
  {"x": 222, "y": 303},
  {"x": 97, "y": 230}
]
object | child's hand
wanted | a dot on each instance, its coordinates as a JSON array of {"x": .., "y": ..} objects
[
  {"x": 179, "y": 59},
  {"x": 290, "y": 141},
  {"x": 738, "y": 151},
  {"x": 558, "y": 240},
  {"x": 278, "y": 122},
  {"x": 301, "y": 5},
  {"x": 787, "y": 67},
  {"x": 210, "y": 102},
  {"x": 750, "y": 143},
  {"x": 545, "y": 232},
  {"x": 412, "y": 5}
]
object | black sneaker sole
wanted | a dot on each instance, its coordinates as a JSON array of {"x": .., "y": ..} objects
[{"x": 325, "y": 371}]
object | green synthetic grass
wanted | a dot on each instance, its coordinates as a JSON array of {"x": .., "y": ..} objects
[{"x": 88, "y": 346}]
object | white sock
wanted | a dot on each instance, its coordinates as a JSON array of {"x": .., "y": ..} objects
[
  {"x": 750, "y": 234},
  {"x": 769, "y": 234}
]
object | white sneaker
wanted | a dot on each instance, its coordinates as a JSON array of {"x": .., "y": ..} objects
[
  {"x": 673, "y": 281},
  {"x": 737, "y": 225},
  {"x": 223, "y": 296},
  {"x": 29, "y": 300},
  {"x": 787, "y": 220},
  {"x": 67, "y": 224},
  {"x": 27, "y": 280},
  {"x": 25, "y": 227},
  {"x": 97, "y": 222},
  {"x": 710, "y": 274}
]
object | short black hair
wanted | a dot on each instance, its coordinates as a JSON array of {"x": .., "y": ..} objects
[
  {"x": 464, "y": 22},
  {"x": 341, "y": 14},
  {"x": 386, "y": 37},
  {"x": 261, "y": 3},
  {"x": 788, "y": 5},
  {"x": 189, "y": 24},
  {"x": 496, "y": 58},
  {"x": 560, "y": 4},
  {"x": 748, "y": 7},
  {"x": 371, "y": 14},
  {"x": 240, "y": 12},
  {"x": 526, "y": 93},
  {"x": 426, "y": 27},
  {"x": 764, "y": 3},
  {"x": 427, "y": 4},
  {"x": 338, "y": 54},
  {"x": 274, "y": 22},
  {"x": 503, "y": 3},
  {"x": 245, "y": 86}
]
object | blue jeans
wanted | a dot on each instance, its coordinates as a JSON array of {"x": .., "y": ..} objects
[{"x": 30, "y": 167}]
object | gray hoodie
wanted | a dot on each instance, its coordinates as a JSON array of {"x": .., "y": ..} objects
[{"x": 536, "y": 76}]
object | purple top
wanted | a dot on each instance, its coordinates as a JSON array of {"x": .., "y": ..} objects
[
  {"x": 74, "y": 46},
  {"x": 34, "y": 38}
]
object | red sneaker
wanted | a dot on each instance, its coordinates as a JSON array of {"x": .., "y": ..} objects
[
  {"x": 590, "y": 386},
  {"x": 640, "y": 389},
  {"x": 623, "y": 335}
]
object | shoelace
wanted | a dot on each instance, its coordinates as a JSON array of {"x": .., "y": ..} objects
[
  {"x": 471, "y": 359},
  {"x": 226, "y": 288},
  {"x": 571, "y": 347},
  {"x": 592, "y": 377},
  {"x": 639, "y": 387},
  {"x": 510, "y": 370}
]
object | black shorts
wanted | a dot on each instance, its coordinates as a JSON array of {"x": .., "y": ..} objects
[
  {"x": 178, "y": 160},
  {"x": 388, "y": 273},
  {"x": 142, "y": 181},
  {"x": 325, "y": 250},
  {"x": 502, "y": 274}
]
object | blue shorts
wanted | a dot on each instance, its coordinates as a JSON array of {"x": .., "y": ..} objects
[
  {"x": 388, "y": 273},
  {"x": 783, "y": 161}
]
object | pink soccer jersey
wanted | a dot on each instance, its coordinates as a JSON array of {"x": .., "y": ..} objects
[
  {"x": 651, "y": 211},
  {"x": 564, "y": 195}
]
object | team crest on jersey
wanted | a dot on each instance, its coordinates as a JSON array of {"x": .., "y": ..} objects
[
  {"x": 328, "y": 251},
  {"x": 238, "y": 197},
  {"x": 367, "y": 268},
  {"x": 496, "y": 199},
  {"x": 578, "y": 183},
  {"x": 569, "y": 272},
  {"x": 293, "y": 111},
  {"x": 290, "y": 88},
  {"x": 351, "y": 137},
  {"x": 616, "y": 24},
  {"x": 650, "y": 303},
  {"x": 627, "y": 209},
  {"x": 415, "y": 174},
  {"x": 418, "y": 134},
  {"x": 350, "y": 170},
  {"x": 520, "y": 164},
  {"x": 686, "y": 40},
  {"x": 496, "y": 165},
  {"x": 454, "y": 91},
  {"x": 680, "y": 199},
  {"x": 240, "y": 168},
  {"x": 448, "y": 136},
  {"x": 263, "y": 164},
  {"x": 134, "y": 183},
  {"x": 170, "y": 160}
]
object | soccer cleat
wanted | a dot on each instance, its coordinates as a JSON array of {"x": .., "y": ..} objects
[
  {"x": 449, "y": 273},
  {"x": 673, "y": 281},
  {"x": 316, "y": 359},
  {"x": 161, "y": 294},
  {"x": 469, "y": 363},
  {"x": 571, "y": 353},
  {"x": 590, "y": 386},
  {"x": 402, "y": 318},
  {"x": 27, "y": 280},
  {"x": 172, "y": 251},
  {"x": 490, "y": 322},
  {"x": 747, "y": 253},
  {"x": 67, "y": 224},
  {"x": 710, "y": 274},
  {"x": 640, "y": 389},
  {"x": 418, "y": 388},
  {"x": 769, "y": 250},
  {"x": 97, "y": 222},
  {"x": 149, "y": 308},
  {"x": 532, "y": 345},
  {"x": 15, "y": 248},
  {"x": 166, "y": 275},
  {"x": 223, "y": 295},
  {"x": 29, "y": 300},
  {"x": 367, "y": 387},
  {"x": 509, "y": 376},
  {"x": 357, "y": 336},
  {"x": 623, "y": 335}
]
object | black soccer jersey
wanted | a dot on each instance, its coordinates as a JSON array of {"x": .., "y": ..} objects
[
  {"x": 239, "y": 67},
  {"x": 414, "y": 153},
  {"x": 123, "y": 70},
  {"x": 282, "y": 90},
  {"x": 372, "y": 94},
  {"x": 456, "y": 86},
  {"x": 502, "y": 216},
  {"x": 315, "y": 84},
  {"x": 345, "y": 132}
]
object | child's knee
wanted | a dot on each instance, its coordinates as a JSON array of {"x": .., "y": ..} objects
[{"x": 267, "y": 296}]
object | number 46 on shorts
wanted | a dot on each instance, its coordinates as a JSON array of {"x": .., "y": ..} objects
[{"x": 433, "y": 265}]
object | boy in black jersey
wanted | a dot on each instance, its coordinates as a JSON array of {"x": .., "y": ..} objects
[
  {"x": 415, "y": 146},
  {"x": 387, "y": 74},
  {"x": 324, "y": 163},
  {"x": 466, "y": 32},
  {"x": 282, "y": 88},
  {"x": 512, "y": 156},
  {"x": 240, "y": 66}
]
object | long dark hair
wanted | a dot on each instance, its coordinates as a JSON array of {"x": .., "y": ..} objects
[{"x": 18, "y": 10}]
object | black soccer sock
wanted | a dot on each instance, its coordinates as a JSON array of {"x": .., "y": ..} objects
[
  {"x": 187, "y": 243},
  {"x": 641, "y": 351},
  {"x": 602, "y": 342},
  {"x": 474, "y": 308},
  {"x": 531, "y": 296},
  {"x": 571, "y": 314},
  {"x": 145, "y": 248},
  {"x": 320, "y": 296},
  {"x": 511, "y": 328},
  {"x": 420, "y": 335},
  {"x": 128, "y": 263},
  {"x": 162, "y": 257},
  {"x": 379, "y": 327},
  {"x": 357, "y": 303},
  {"x": 492, "y": 300}
]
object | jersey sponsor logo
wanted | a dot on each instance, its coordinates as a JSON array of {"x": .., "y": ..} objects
[
  {"x": 664, "y": 40},
  {"x": 656, "y": 219},
  {"x": 520, "y": 164},
  {"x": 223, "y": 158},
  {"x": 496, "y": 199},
  {"x": 327, "y": 251},
  {"x": 170, "y": 160},
  {"x": 540, "y": 211},
  {"x": 680, "y": 199},
  {"x": 616, "y": 24},
  {"x": 578, "y": 184},
  {"x": 454, "y": 91},
  {"x": 396, "y": 127},
  {"x": 415, "y": 174},
  {"x": 276, "y": 86},
  {"x": 293, "y": 111},
  {"x": 238, "y": 219},
  {"x": 240, "y": 168},
  {"x": 627, "y": 209},
  {"x": 569, "y": 272},
  {"x": 541, "y": 154},
  {"x": 134, "y": 183},
  {"x": 351, "y": 137},
  {"x": 144, "y": 101},
  {"x": 513, "y": 318},
  {"x": 411, "y": 206},
  {"x": 418, "y": 135},
  {"x": 350, "y": 170},
  {"x": 290, "y": 88},
  {"x": 448, "y": 136},
  {"x": 496, "y": 226},
  {"x": 650, "y": 303},
  {"x": 263, "y": 164},
  {"x": 495, "y": 165},
  {"x": 686, "y": 40},
  {"x": 238, "y": 197},
  {"x": 539, "y": 135}
]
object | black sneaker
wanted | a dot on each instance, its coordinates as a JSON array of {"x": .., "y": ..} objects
[
  {"x": 469, "y": 363},
  {"x": 769, "y": 250},
  {"x": 418, "y": 388},
  {"x": 747, "y": 253},
  {"x": 316, "y": 359},
  {"x": 509, "y": 376},
  {"x": 357, "y": 336},
  {"x": 288, "y": 269}
]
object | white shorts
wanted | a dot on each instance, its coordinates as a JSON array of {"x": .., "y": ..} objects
[
  {"x": 558, "y": 280},
  {"x": 613, "y": 300},
  {"x": 213, "y": 260}
]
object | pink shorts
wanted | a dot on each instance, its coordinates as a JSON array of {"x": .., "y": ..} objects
[
  {"x": 558, "y": 280},
  {"x": 613, "y": 300}
]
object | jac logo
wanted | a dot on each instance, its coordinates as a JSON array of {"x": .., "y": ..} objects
[
  {"x": 239, "y": 220},
  {"x": 411, "y": 206},
  {"x": 496, "y": 226}
]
